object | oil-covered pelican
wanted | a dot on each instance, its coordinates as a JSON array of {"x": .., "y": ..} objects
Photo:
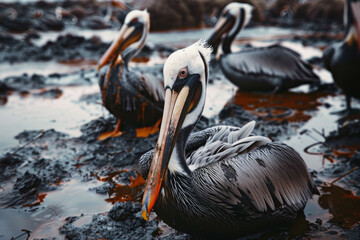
[
  {"x": 222, "y": 180},
  {"x": 133, "y": 98},
  {"x": 256, "y": 69},
  {"x": 343, "y": 59}
]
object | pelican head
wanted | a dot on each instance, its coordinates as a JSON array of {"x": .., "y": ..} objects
[
  {"x": 234, "y": 17},
  {"x": 185, "y": 79},
  {"x": 352, "y": 21},
  {"x": 131, "y": 38}
]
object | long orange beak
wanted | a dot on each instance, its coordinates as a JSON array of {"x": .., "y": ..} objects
[
  {"x": 126, "y": 37},
  {"x": 177, "y": 104}
]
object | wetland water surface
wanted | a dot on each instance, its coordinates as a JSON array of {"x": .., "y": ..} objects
[{"x": 60, "y": 183}]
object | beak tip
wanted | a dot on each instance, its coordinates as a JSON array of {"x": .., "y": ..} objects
[{"x": 145, "y": 214}]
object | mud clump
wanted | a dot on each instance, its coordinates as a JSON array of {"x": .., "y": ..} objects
[
  {"x": 8, "y": 165},
  {"x": 346, "y": 135},
  {"x": 27, "y": 182},
  {"x": 44, "y": 16},
  {"x": 355, "y": 159},
  {"x": 104, "y": 188},
  {"x": 62, "y": 49},
  {"x": 25, "y": 82},
  {"x": 25, "y": 191},
  {"x": 124, "y": 221},
  {"x": 122, "y": 210},
  {"x": 50, "y": 93}
]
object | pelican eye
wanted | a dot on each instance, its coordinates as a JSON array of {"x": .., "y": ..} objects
[{"x": 183, "y": 73}]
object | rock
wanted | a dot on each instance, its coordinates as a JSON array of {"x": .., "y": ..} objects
[
  {"x": 128, "y": 225},
  {"x": 104, "y": 188},
  {"x": 8, "y": 165},
  {"x": 50, "y": 93},
  {"x": 346, "y": 135},
  {"x": 123, "y": 210},
  {"x": 27, "y": 182}
]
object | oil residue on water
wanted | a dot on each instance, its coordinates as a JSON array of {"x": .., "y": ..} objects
[
  {"x": 343, "y": 205},
  {"x": 292, "y": 106},
  {"x": 123, "y": 192}
]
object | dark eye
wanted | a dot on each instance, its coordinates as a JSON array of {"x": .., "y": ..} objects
[
  {"x": 183, "y": 73},
  {"x": 134, "y": 20}
]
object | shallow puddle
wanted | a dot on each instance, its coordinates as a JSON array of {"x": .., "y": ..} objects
[
  {"x": 66, "y": 113},
  {"x": 73, "y": 198}
]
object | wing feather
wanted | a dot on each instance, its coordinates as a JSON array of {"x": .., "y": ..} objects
[
  {"x": 148, "y": 86},
  {"x": 225, "y": 142},
  {"x": 269, "y": 177},
  {"x": 269, "y": 65},
  {"x": 274, "y": 60}
]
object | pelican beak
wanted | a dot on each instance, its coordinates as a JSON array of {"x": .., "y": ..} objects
[
  {"x": 355, "y": 8},
  {"x": 127, "y": 35},
  {"x": 223, "y": 25},
  {"x": 178, "y": 102}
]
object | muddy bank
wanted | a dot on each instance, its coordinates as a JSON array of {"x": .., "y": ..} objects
[
  {"x": 125, "y": 222},
  {"x": 65, "y": 48},
  {"x": 25, "y": 82},
  {"x": 44, "y": 16}
]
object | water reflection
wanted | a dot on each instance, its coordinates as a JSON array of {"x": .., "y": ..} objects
[
  {"x": 292, "y": 106},
  {"x": 343, "y": 204}
]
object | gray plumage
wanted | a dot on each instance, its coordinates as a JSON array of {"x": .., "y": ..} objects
[
  {"x": 239, "y": 183},
  {"x": 267, "y": 68}
]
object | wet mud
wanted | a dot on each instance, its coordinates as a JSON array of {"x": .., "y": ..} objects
[
  {"x": 44, "y": 16},
  {"x": 62, "y": 49},
  {"x": 69, "y": 185}
]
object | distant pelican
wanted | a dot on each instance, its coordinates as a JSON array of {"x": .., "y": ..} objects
[
  {"x": 343, "y": 59},
  {"x": 223, "y": 181},
  {"x": 136, "y": 100},
  {"x": 256, "y": 69}
]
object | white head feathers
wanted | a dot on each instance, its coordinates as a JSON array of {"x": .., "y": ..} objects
[
  {"x": 204, "y": 48},
  {"x": 142, "y": 16},
  {"x": 195, "y": 58}
]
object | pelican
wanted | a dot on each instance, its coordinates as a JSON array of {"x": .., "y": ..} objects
[
  {"x": 223, "y": 181},
  {"x": 136, "y": 100},
  {"x": 343, "y": 59},
  {"x": 256, "y": 69}
]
